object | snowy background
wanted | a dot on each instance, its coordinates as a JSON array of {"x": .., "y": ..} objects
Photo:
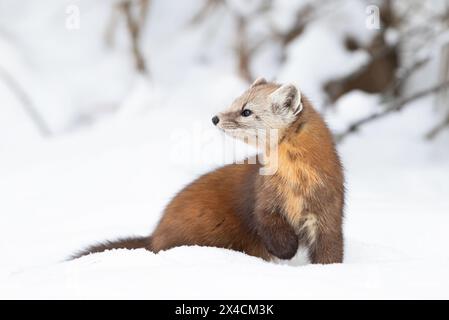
[{"x": 113, "y": 145}]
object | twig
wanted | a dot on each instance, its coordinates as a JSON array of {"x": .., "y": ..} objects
[
  {"x": 144, "y": 8},
  {"x": 242, "y": 51},
  {"x": 303, "y": 16},
  {"x": 440, "y": 127},
  {"x": 405, "y": 74},
  {"x": 26, "y": 103},
  {"x": 398, "y": 106},
  {"x": 443, "y": 97},
  {"x": 208, "y": 7},
  {"x": 111, "y": 27},
  {"x": 134, "y": 28}
]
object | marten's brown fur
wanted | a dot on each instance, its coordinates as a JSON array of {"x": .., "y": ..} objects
[{"x": 265, "y": 216}]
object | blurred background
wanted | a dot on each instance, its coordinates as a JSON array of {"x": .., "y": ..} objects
[
  {"x": 94, "y": 94},
  {"x": 67, "y": 65}
]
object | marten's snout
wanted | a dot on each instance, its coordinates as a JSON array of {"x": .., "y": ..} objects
[{"x": 215, "y": 120}]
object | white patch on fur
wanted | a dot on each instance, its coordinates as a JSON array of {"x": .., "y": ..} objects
[
  {"x": 300, "y": 106},
  {"x": 310, "y": 224}
]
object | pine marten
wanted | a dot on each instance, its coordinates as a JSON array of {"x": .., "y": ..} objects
[{"x": 264, "y": 215}]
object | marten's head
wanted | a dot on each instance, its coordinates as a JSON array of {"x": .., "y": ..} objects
[{"x": 263, "y": 107}]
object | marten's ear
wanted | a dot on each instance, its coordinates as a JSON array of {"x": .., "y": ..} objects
[
  {"x": 258, "y": 81},
  {"x": 287, "y": 98}
]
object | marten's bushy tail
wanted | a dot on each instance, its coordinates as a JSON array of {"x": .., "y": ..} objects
[{"x": 123, "y": 243}]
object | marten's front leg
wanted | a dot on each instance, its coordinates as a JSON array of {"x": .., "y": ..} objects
[
  {"x": 327, "y": 248},
  {"x": 277, "y": 234}
]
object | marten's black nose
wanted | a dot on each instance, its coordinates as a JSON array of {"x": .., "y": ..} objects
[{"x": 215, "y": 120}]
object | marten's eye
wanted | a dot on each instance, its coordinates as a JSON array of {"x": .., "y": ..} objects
[{"x": 246, "y": 113}]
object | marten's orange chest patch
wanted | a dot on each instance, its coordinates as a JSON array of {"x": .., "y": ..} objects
[{"x": 296, "y": 182}]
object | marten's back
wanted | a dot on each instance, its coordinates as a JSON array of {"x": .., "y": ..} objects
[{"x": 214, "y": 210}]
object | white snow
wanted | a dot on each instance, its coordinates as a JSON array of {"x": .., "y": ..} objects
[{"x": 113, "y": 178}]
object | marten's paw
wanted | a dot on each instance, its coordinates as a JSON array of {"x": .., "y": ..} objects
[{"x": 283, "y": 246}]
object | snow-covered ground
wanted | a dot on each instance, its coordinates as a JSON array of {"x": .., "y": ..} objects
[{"x": 114, "y": 177}]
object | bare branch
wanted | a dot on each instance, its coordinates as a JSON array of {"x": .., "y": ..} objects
[
  {"x": 26, "y": 103},
  {"x": 207, "y": 8},
  {"x": 134, "y": 29},
  {"x": 443, "y": 97},
  {"x": 111, "y": 27},
  {"x": 144, "y": 9},
  {"x": 243, "y": 52},
  {"x": 404, "y": 74},
  {"x": 398, "y": 106},
  {"x": 440, "y": 127},
  {"x": 303, "y": 16}
]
